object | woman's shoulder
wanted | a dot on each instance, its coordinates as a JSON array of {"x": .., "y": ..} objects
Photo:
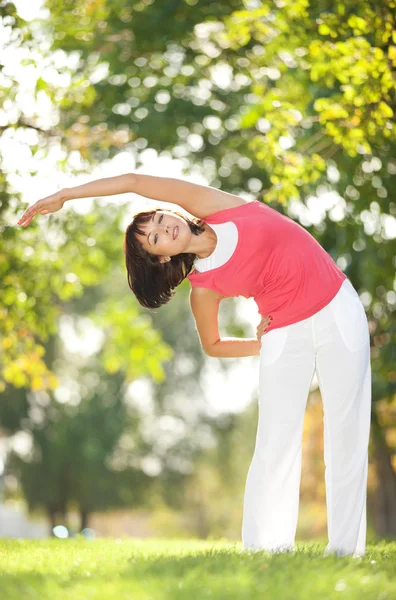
[
  {"x": 216, "y": 202},
  {"x": 233, "y": 202},
  {"x": 228, "y": 207}
]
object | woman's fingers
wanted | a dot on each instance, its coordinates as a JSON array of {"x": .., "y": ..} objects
[
  {"x": 262, "y": 326},
  {"x": 29, "y": 214}
]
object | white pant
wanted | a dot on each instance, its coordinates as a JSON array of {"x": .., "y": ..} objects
[{"x": 336, "y": 342}]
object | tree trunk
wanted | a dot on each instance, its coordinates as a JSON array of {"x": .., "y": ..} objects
[
  {"x": 65, "y": 517},
  {"x": 83, "y": 519},
  {"x": 384, "y": 504},
  {"x": 52, "y": 518}
]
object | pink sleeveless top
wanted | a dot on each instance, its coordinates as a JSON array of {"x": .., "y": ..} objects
[{"x": 277, "y": 262}]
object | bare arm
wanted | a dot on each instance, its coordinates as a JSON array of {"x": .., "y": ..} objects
[
  {"x": 235, "y": 348},
  {"x": 198, "y": 200},
  {"x": 205, "y": 307},
  {"x": 107, "y": 186}
]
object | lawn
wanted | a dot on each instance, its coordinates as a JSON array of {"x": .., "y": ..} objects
[{"x": 130, "y": 568}]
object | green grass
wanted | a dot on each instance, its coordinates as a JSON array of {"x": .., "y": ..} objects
[{"x": 135, "y": 569}]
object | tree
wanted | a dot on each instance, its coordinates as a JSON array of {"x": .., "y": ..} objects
[
  {"x": 293, "y": 103},
  {"x": 305, "y": 108}
]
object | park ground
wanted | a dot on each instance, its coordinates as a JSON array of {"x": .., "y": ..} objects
[{"x": 157, "y": 569}]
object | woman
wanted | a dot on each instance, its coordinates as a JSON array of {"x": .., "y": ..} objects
[{"x": 312, "y": 319}]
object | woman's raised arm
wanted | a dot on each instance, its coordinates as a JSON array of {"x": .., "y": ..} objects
[
  {"x": 198, "y": 200},
  {"x": 107, "y": 186}
]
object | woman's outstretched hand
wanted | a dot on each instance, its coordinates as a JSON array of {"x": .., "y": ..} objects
[{"x": 49, "y": 204}]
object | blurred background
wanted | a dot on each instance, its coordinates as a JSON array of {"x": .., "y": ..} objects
[{"x": 113, "y": 421}]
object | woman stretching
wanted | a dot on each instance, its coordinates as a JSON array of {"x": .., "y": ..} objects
[{"x": 312, "y": 319}]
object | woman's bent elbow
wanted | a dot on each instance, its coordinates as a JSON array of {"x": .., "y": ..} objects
[{"x": 210, "y": 351}]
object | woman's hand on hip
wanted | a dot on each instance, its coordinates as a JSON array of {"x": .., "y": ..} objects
[
  {"x": 49, "y": 204},
  {"x": 262, "y": 326}
]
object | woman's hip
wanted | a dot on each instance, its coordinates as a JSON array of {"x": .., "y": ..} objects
[{"x": 341, "y": 324}]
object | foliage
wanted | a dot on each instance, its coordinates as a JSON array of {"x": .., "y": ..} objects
[{"x": 290, "y": 101}]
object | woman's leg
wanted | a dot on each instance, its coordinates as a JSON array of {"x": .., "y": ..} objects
[
  {"x": 343, "y": 369},
  {"x": 270, "y": 513}
]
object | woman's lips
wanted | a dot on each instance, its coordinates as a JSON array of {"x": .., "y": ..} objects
[{"x": 175, "y": 232}]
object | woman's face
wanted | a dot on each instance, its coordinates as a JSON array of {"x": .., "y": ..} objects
[{"x": 166, "y": 234}]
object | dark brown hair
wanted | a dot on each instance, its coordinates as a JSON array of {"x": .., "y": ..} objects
[{"x": 151, "y": 281}]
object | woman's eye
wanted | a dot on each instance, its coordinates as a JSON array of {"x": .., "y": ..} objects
[{"x": 159, "y": 221}]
